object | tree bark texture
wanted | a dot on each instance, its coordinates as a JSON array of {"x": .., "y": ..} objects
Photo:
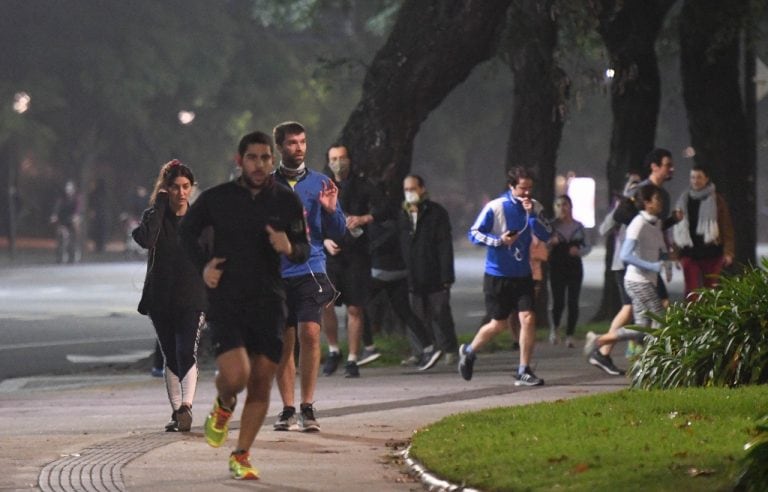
[
  {"x": 433, "y": 47},
  {"x": 540, "y": 94},
  {"x": 629, "y": 30},
  {"x": 538, "y": 104},
  {"x": 709, "y": 41}
]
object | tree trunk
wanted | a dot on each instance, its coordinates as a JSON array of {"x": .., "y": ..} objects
[
  {"x": 538, "y": 103},
  {"x": 432, "y": 48},
  {"x": 540, "y": 94},
  {"x": 629, "y": 29},
  {"x": 709, "y": 40}
]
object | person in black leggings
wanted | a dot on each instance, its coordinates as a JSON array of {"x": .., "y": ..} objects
[
  {"x": 566, "y": 272},
  {"x": 174, "y": 293}
]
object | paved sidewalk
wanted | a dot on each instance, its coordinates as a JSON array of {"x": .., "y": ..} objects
[{"x": 103, "y": 432}]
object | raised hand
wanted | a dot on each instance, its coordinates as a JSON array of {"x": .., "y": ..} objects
[{"x": 329, "y": 196}]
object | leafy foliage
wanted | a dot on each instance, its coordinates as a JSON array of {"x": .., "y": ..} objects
[
  {"x": 755, "y": 475},
  {"x": 719, "y": 340}
]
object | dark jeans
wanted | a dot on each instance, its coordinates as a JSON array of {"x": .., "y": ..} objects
[
  {"x": 397, "y": 293},
  {"x": 435, "y": 309}
]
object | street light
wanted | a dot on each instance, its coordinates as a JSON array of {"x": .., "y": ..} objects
[
  {"x": 21, "y": 102},
  {"x": 186, "y": 117}
]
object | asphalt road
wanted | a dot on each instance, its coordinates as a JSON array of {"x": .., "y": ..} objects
[{"x": 64, "y": 319}]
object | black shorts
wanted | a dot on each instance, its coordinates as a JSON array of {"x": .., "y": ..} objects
[
  {"x": 504, "y": 295},
  {"x": 619, "y": 276},
  {"x": 352, "y": 280},
  {"x": 259, "y": 331},
  {"x": 306, "y": 297}
]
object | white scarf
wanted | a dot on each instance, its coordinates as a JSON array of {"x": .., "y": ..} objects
[{"x": 707, "y": 224}]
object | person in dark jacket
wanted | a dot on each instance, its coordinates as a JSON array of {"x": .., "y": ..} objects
[
  {"x": 255, "y": 222},
  {"x": 173, "y": 294},
  {"x": 390, "y": 276},
  {"x": 427, "y": 245},
  {"x": 348, "y": 263}
]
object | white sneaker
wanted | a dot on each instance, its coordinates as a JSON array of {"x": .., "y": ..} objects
[
  {"x": 589, "y": 343},
  {"x": 553, "y": 338}
]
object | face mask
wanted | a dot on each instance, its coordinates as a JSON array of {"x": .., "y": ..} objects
[
  {"x": 412, "y": 197},
  {"x": 339, "y": 166}
]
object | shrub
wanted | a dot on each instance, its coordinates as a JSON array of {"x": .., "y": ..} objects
[
  {"x": 754, "y": 478},
  {"x": 719, "y": 340}
]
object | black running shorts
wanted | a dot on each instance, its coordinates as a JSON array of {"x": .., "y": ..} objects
[
  {"x": 306, "y": 297},
  {"x": 504, "y": 295}
]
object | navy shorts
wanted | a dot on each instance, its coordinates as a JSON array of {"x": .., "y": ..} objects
[
  {"x": 352, "y": 279},
  {"x": 259, "y": 331},
  {"x": 307, "y": 295},
  {"x": 504, "y": 295}
]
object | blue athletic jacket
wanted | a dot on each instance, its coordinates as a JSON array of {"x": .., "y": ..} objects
[
  {"x": 320, "y": 223},
  {"x": 502, "y": 214}
]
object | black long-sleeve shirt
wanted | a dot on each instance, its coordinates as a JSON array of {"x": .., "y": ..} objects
[
  {"x": 251, "y": 272},
  {"x": 172, "y": 281}
]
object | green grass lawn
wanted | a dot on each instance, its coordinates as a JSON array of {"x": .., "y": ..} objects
[{"x": 672, "y": 440}]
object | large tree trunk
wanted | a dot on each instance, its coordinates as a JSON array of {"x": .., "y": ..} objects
[
  {"x": 629, "y": 29},
  {"x": 540, "y": 93},
  {"x": 432, "y": 48},
  {"x": 709, "y": 40},
  {"x": 538, "y": 103}
]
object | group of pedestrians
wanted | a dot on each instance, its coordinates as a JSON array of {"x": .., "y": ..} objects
[
  {"x": 649, "y": 236},
  {"x": 249, "y": 257},
  {"x": 265, "y": 259}
]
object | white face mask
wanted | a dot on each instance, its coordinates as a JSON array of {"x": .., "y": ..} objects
[
  {"x": 412, "y": 197},
  {"x": 339, "y": 166}
]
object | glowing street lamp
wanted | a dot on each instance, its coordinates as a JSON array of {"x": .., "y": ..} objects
[
  {"x": 21, "y": 102},
  {"x": 186, "y": 117}
]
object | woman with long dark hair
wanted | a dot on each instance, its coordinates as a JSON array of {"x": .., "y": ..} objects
[{"x": 174, "y": 294}]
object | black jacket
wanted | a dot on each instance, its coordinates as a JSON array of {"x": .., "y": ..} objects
[
  {"x": 357, "y": 196},
  {"x": 428, "y": 251},
  {"x": 172, "y": 282},
  {"x": 251, "y": 273}
]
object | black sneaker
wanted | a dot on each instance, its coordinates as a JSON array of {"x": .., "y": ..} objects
[
  {"x": 286, "y": 420},
  {"x": 173, "y": 424},
  {"x": 605, "y": 363},
  {"x": 466, "y": 363},
  {"x": 429, "y": 359},
  {"x": 307, "y": 420},
  {"x": 184, "y": 418},
  {"x": 331, "y": 363},
  {"x": 351, "y": 370},
  {"x": 528, "y": 378}
]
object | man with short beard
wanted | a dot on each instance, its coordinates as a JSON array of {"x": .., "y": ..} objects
[{"x": 307, "y": 284}]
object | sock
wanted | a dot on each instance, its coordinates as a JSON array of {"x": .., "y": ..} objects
[
  {"x": 432, "y": 347},
  {"x": 289, "y": 409},
  {"x": 370, "y": 348},
  {"x": 521, "y": 369},
  {"x": 333, "y": 348},
  {"x": 352, "y": 357},
  {"x": 468, "y": 349}
]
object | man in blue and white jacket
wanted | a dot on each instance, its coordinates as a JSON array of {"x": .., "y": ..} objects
[
  {"x": 307, "y": 286},
  {"x": 506, "y": 226}
]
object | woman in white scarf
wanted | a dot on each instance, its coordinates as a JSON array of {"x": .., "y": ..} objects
[{"x": 705, "y": 235}]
